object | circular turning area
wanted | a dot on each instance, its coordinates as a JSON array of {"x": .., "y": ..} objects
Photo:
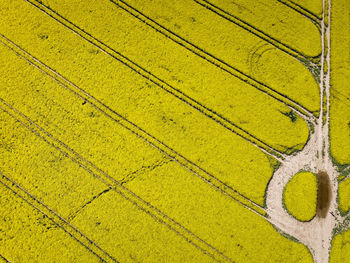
[{"x": 300, "y": 196}]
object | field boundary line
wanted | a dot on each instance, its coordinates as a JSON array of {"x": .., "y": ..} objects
[
  {"x": 115, "y": 185},
  {"x": 211, "y": 114},
  {"x": 56, "y": 219},
  {"x": 303, "y": 11},
  {"x": 139, "y": 132},
  {"x": 4, "y": 259}
]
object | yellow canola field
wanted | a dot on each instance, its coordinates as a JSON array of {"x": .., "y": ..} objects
[
  {"x": 137, "y": 140},
  {"x": 210, "y": 26},
  {"x": 340, "y": 116},
  {"x": 340, "y": 248},
  {"x": 269, "y": 16},
  {"x": 176, "y": 191},
  {"x": 206, "y": 30},
  {"x": 311, "y": 6},
  {"x": 30, "y": 236},
  {"x": 300, "y": 196},
  {"x": 263, "y": 116},
  {"x": 344, "y": 195},
  {"x": 68, "y": 192},
  {"x": 340, "y": 91},
  {"x": 93, "y": 134},
  {"x": 197, "y": 137}
]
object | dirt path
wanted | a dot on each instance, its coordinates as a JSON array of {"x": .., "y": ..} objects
[{"x": 315, "y": 157}]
